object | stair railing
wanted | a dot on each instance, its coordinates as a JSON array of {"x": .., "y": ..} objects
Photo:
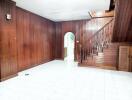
[{"x": 100, "y": 40}]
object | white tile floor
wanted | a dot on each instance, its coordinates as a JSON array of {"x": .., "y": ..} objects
[{"x": 58, "y": 80}]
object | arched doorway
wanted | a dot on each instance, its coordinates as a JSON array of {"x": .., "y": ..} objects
[{"x": 69, "y": 45}]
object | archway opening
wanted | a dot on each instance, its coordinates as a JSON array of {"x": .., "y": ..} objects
[{"x": 69, "y": 45}]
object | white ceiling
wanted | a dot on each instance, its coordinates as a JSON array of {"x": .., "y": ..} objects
[{"x": 63, "y": 10}]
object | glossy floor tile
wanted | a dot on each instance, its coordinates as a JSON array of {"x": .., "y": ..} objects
[{"x": 59, "y": 80}]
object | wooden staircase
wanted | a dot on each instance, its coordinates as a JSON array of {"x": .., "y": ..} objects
[{"x": 99, "y": 49}]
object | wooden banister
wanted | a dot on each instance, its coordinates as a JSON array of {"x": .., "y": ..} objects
[
  {"x": 101, "y": 29},
  {"x": 100, "y": 40}
]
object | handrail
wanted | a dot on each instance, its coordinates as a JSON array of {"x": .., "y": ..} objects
[
  {"x": 97, "y": 42},
  {"x": 101, "y": 29}
]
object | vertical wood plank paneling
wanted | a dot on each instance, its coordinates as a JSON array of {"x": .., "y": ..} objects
[
  {"x": 8, "y": 51},
  {"x": 123, "y": 21},
  {"x": 58, "y": 41},
  {"x": 35, "y": 39}
]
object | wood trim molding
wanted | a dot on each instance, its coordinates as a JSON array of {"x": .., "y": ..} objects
[{"x": 8, "y": 77}]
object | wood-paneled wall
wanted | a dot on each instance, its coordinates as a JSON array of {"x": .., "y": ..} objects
[
  {"x": 82, "y": 29},
  {"x": 123, "y": 21},
  {"x": 58, "y": 41},
  {"x": 8, "y": 51},
  {"x": 35, "y": 39},
  {"x": 26, "y": 40}
]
